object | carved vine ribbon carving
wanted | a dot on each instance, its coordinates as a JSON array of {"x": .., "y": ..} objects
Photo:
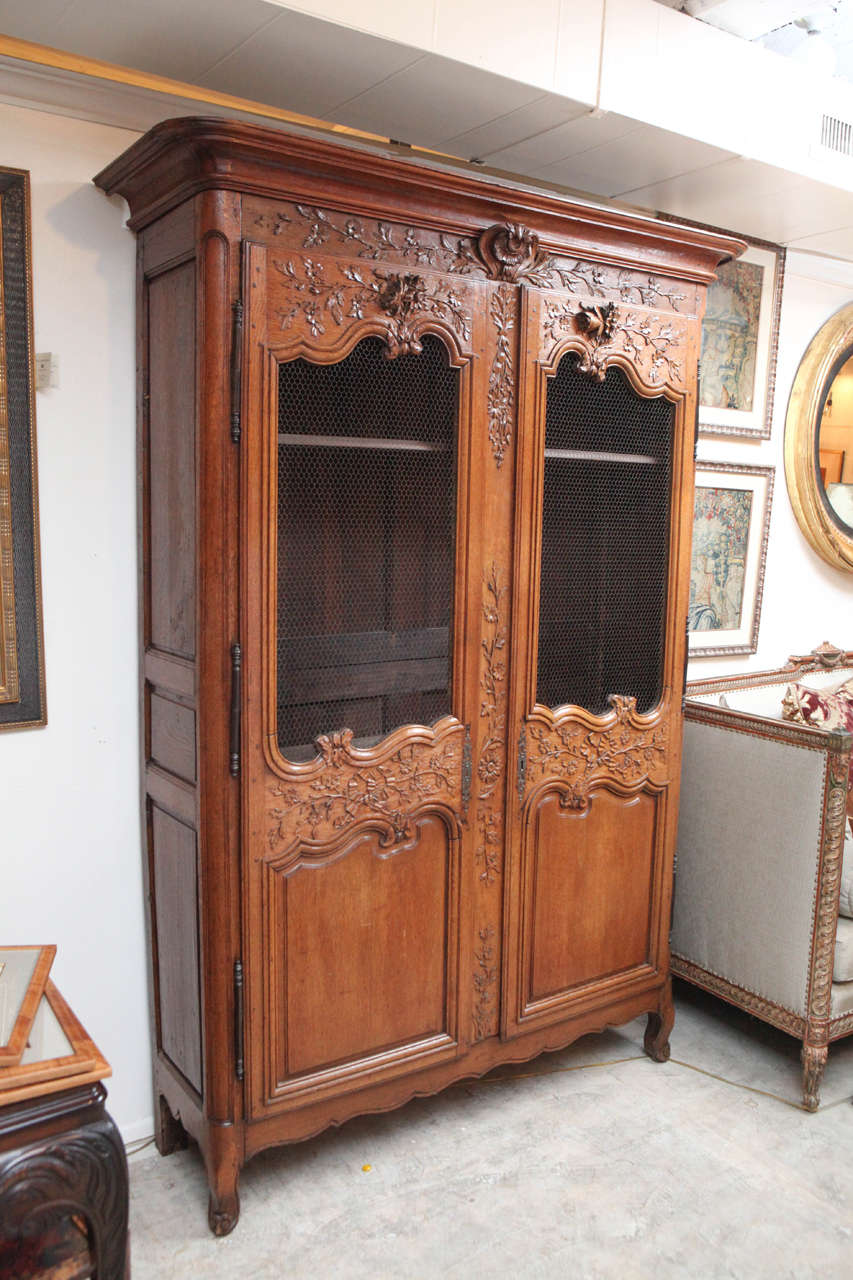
[
  {"x": 654, "y": 345},
  {"x": 485, "y": 982},
  {"x": 507, "y": 251},
  {"x": 501, "y": 398},
  {"x": 493, "y": 704},
  {"x": 490, "y": 766},
  {"x": 575, "y": 754},
  {"x": 350, "y": 296}
]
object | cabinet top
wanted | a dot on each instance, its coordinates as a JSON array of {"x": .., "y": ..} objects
[{"x": 177, "y": 159}]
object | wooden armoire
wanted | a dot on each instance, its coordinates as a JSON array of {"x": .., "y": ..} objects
[{"x": 415, "y": 456}]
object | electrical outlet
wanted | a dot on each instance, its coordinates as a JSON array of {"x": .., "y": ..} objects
[{"x": 47, "y": 370}]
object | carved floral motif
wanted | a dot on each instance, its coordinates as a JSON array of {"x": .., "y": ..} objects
[
  {"x": 493, "y": 705},
  {"x": 485, "y": 982},
  {"x": 506, "y": 251},
  {"x": 500, "y": 398},
  {"x": 649, "y": 341},
  {"x": 597, "y": 323},
  {"x": 275, "y": 221},
  {"x": 575, "y": 754},
  {"x": 653, "y": 344},
  {"x": 405, "y": 299},
  {"x": 490, "y": 767},
  {"x": 374, "y": 240},
  {"x": 488, "y": 848},
  {"x": 345, "y": 792}
]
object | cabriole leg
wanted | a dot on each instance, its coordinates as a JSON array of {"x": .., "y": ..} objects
[
  {"x": 223, "y": 1209},
  {"x": 659, "y": 1026},
  {"x": 814, "y": 1061},
  {"x": 223, "y": 1175}
]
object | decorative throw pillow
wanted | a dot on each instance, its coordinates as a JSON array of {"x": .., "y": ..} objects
[{"x": 822, "y": 708}]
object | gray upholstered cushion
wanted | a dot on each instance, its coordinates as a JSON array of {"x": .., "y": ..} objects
[
  {"x": 845, "y": 902},
  {"x": 843, "y": 968}
]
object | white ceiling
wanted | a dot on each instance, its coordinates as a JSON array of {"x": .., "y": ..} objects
[
  {"x": 257, "y": 50},
  {"x": 808, "y": 30}
]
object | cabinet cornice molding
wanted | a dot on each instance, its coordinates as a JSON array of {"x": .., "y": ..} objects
[{"x": 179, "y": 158}]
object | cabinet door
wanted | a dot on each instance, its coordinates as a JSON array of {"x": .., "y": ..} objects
[
  {"x": 603, "y": 506},
  {"x": 361, "y": 637}
]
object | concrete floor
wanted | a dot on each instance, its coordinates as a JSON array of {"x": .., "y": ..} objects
[{"x": 591, "y": 1163}]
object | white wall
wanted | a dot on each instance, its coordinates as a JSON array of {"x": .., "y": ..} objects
[
  {"x": 806, "y": 601},
  {"x": 71, "y": 849},
  {"x": 69, "y": 793}
]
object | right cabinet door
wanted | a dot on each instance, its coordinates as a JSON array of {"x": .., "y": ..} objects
[{"x": 602, "y": 540}]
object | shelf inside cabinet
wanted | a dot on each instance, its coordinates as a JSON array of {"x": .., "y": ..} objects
[
  {"x": 594, "y": 455},
  {"x": 359, "y": 442}
]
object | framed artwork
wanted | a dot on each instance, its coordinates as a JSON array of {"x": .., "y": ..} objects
[
  {"x": 22, "y": 694},
  {"x": 731, "y": 524},
  {"x": 740, "y": 335}
]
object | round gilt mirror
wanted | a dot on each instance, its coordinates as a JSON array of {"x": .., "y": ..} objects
[{"x": 819, "y": 441}]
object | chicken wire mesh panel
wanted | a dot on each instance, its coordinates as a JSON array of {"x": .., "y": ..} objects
[
  {"x": 366, "y": 523},
  {"x": 605, "y": 541}
]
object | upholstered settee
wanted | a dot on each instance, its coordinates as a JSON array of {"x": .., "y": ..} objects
[{"x": 761, "y": 846}]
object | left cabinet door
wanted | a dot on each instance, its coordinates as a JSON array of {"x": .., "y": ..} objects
[{"x": 357, "y": 493}]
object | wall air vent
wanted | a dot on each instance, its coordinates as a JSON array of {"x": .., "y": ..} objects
[{"x": 836, "y": 135}]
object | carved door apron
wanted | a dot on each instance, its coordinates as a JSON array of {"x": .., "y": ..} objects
[{"x": 362, "y": 607}]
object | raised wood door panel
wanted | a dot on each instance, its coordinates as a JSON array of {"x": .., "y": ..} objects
[
  {"x": 363, "y": 615},
  {"x": 603, "y": 502},
  {"x": 369, "y": 934},
  {"x": 599, "y": 855}
]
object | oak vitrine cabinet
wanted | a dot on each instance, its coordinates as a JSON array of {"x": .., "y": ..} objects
[{"x": 416, "y": 458}]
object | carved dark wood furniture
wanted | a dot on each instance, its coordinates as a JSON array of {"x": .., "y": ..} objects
[
  {"x": 416, "y": 454},
  {"x": 63, "y": 1172}
]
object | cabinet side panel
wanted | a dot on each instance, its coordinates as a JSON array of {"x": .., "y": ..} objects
[
  {"x": 175, "y": 926},
  {"x": 173, "y": 744},
  {"x": 171, "y": 439}
]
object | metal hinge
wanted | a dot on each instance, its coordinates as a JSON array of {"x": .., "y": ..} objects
[
  {"x": 466, "y": 771},
  {"x": 686, "y": 660},
  {"x": 522, "y": 764},
  {"x": 696, "y": 418},
  {"x": 236, "y": 682},
  {"x": 236, "y": 368},
  {"x": 238, "y": 1019}
]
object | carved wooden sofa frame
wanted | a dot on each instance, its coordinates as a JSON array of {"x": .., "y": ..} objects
[{"x": 759, "y": 855}]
